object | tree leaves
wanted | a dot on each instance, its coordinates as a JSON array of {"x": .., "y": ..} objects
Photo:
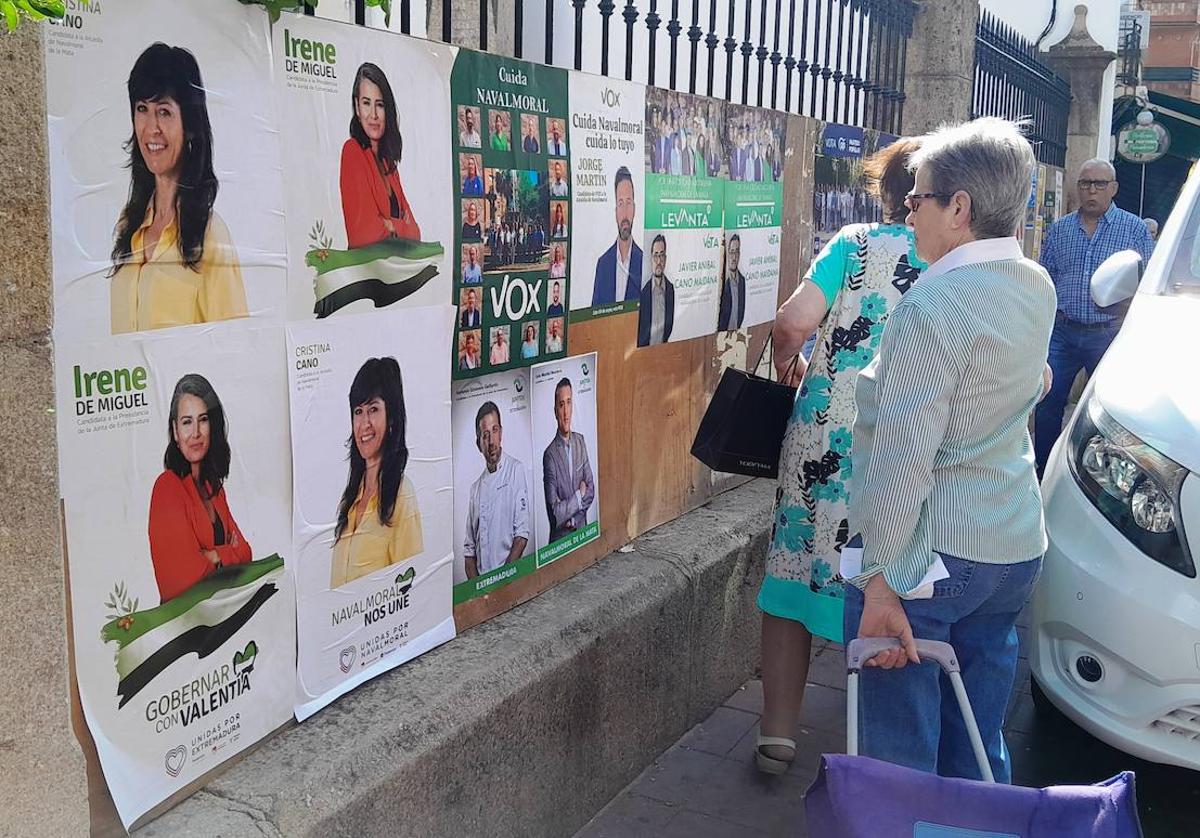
[
  {"x": 386, "y": 5},
  {"x": 275, "y": 7},
  {"x": 14, "y": 10},
  {"x": 11, "y": 18}
]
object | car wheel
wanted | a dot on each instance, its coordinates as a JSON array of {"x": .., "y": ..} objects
[{"x": 1041, "y": 702}]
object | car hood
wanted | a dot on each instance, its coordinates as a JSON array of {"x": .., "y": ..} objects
[{"x": 1149, "y": 380}]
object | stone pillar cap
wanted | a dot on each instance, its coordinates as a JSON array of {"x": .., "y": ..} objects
[{"x": 1079, "y": 44}]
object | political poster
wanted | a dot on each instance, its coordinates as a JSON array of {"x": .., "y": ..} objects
[
  {"x": 1059, "y": 198},
  {"x": 841, "y": 193},
  {"x": 754, "y": 142},
  {"x": 165, "y": 176},
  {"x": 1044, "y": 192},
  {"x": 174, "y": 467},
  {"x": 363, "y": 115},
  {"x": 566, "y": 442},
  {"x": 608, "y": 195},
  {"x": 493, "y": 482},
  {"x": 685, "y": 194},
  {"x": 372, "y": 496},
  {"x": 510, "y": 141}
]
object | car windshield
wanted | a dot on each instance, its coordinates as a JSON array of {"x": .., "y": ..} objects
[{"x": 1183, "y": 276}]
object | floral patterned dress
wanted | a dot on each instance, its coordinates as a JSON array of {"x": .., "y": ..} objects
[{"x": 863, "y": 271}]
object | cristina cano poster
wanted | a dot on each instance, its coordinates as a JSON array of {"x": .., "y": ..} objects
[
  {"x": 372, "y": 495},
  {"x": 174, "y": 469}
]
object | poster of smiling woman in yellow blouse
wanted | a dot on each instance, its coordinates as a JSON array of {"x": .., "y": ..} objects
[
  {"x": 166, "y": 180},
  {"x": 379, "y": 522},
  {"x": 173, "y": 261},
  {"x": 372, "y": 495}
]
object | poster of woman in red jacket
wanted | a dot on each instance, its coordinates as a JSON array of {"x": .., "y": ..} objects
[
  {"x": 192, "y": 531},
  {"x": 373, "y": 201},
  {"x": 367, "y": 172}
]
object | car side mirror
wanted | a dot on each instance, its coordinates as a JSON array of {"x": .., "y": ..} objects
[{"x": 1117, "y": 278}]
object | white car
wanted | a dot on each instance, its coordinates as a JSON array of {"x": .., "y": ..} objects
[{"x": 1116, "y": 617}]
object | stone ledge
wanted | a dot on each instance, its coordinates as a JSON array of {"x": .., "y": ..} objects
[{"x": 528, "y": 724}]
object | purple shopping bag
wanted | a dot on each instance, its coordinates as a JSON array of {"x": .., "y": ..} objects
[{"x": 860, "y": 797}]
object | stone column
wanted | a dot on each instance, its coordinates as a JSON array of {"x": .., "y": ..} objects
[
  {"x": 1082, "y": 62},
  {"x": 941, "y": 64},
  {"x": 45, "y": 785}
]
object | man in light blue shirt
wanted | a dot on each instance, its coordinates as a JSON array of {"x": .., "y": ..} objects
[
  {"x": 472, "y": 272},
  {"x": 1074, "y": 248},
  {"x": 558, "y": 186}
]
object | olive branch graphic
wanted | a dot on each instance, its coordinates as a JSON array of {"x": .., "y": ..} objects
[
  {"x": 121, "y": 607},
  {"x": 322, "y": 242}
]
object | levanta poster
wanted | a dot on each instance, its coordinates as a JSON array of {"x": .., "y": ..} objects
[
  {"x": 754, "y": 143},
  {"x": 685, "y": 195},
  {"x": 174, "y": 469},
  {"x": 511, "y": 145}
]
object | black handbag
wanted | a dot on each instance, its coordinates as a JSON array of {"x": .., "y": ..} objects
[{"x": 742, "y": 429}]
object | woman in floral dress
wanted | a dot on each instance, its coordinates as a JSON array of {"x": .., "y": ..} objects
[{"x": 848, "y": 292}]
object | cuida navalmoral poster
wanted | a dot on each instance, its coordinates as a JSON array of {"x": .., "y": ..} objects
[
  {"x": 510, "y": 142},
  {"x": 607, "y": 195}
]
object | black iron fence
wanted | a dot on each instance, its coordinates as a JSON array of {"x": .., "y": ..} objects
[
  {"x": 1012, "y": 82},
  {"x": 838, "y": 60}
]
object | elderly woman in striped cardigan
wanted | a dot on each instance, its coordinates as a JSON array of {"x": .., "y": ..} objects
[{"x": 944, "y": 493}]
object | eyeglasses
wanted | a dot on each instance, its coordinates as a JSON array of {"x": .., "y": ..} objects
[
  {"x": 1094, "y": 185},
  {"x": 913, "y": 199}
]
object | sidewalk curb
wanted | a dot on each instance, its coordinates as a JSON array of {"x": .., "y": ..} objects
[{"x": 528, "y": 724}]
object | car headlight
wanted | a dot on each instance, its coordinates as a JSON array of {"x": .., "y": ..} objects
[{"x": 1135, "y": 487}]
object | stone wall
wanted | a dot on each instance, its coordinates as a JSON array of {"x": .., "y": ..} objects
[{"x": 45, "y": 784}]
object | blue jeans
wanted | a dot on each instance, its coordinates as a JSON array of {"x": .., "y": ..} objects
[
  {"x": 910, "y": 716},
  {"x": 1073, "y": 346}
]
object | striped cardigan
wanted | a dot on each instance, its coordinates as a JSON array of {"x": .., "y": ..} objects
[{"x": 942, "y": 457}]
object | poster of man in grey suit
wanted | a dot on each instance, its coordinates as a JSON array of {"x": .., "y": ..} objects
[{"x": 564, "y": 393}]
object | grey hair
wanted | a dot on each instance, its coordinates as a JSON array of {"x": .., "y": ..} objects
[
  {"x": 1100, "y": 161},
  {"x": 989, "y": 159}
]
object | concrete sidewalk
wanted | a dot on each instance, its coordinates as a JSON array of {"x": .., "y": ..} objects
[{"x": 706, "y": 785}]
